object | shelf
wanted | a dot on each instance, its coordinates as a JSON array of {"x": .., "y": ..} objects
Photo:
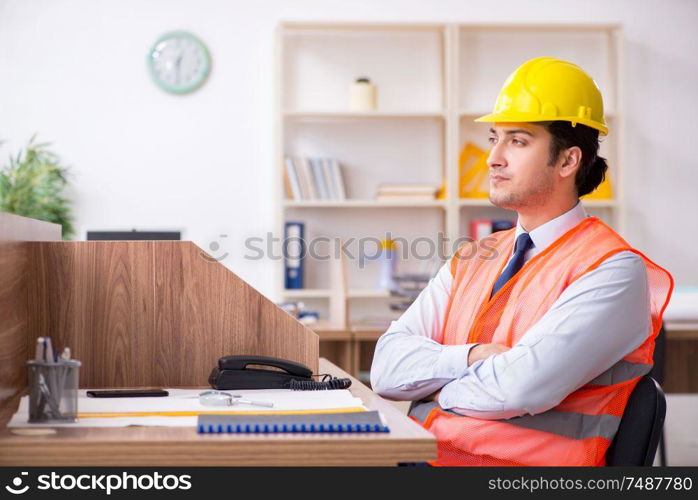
[
  {"x": 319, "y": 293},
  {"x": 367, "y": 293},
  {"x": 364, "y": 204},
  {"x": 322, "y": 115}
]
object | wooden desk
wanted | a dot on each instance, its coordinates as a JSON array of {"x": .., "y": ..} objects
[
  {"x": 180, "y": 446},
  {"x": 681, "y": 331},
  {"x": 344, "y": 345},
  {"x": 681, "y": 369}
]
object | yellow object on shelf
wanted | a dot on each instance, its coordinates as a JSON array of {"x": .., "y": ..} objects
[
  {"x": 603, "y": 192},
  {"x": 388, "y": 244},
  {"x": 473, "y": 172}
]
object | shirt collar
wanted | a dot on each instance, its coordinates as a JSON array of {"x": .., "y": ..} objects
[{"x": 544, "y": 235}]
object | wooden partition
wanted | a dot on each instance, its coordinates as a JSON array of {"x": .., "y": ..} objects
[
  {"x": 15, "y": 264},
  {"x": 142, "y": 313},
  {"x": 136, "y": 313}
]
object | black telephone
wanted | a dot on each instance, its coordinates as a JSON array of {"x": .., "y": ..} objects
[{"x": 237, "y": 372}]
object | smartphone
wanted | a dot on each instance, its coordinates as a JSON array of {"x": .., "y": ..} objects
[{"x": 128, "y": 393}]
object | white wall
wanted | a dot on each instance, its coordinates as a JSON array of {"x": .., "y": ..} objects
[{"x": 74, "y": 71}]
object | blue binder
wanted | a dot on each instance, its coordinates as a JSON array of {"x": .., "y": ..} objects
[
  {"x": 368, "y": 421},
  {"x": 294, "y": 253}
]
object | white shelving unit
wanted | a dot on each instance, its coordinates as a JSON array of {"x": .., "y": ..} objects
[
  {"x": 355, "y": 293},
  {"x": 368, "y": 203},
  {"x": 432, "y": 80}
]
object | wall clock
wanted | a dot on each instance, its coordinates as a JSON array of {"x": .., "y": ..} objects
[{"x": 179, "y": 62}]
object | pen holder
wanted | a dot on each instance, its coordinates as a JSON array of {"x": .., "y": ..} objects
[{"x": 53, "y": 391}]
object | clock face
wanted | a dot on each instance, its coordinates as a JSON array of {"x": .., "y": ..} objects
[{"x": 179, "y": 62}]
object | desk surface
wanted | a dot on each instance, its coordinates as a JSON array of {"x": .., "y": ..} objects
[{"x": 181, "y": 446}]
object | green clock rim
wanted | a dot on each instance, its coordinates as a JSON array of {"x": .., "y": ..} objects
[{"x": 188, "y": 88}]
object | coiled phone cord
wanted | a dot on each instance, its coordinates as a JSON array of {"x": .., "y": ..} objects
[{"x": 327, "y": 383}]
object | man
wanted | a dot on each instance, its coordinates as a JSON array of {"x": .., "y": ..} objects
[{"x": 528, "y": 343}]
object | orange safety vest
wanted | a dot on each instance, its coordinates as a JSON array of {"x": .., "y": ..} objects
[{"x": 579, "y": 430}]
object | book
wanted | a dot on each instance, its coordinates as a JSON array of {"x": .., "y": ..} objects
[
  {"x": 327, "y": 173},
  {"x": 292, "y": 178},
  {"x": 287, "y": 187},
  {"x": 361, "y": 421},
  {"x": 480, "y": 228},
  {"x": 473, "y": 180},
  {"x": 337, "y": 179},
  {"x": 313, "y": 179},
  {"x": 307, "y": 179},
  {"x": 300, "y": 175},
  {"x": 319, "y": 178}
]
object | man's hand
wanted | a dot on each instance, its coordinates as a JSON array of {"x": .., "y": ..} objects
[
  {"x": 434, "y": 396},
  {"x": 484, "y": 351}
]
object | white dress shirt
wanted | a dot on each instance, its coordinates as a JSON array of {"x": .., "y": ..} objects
[{"x": 597, "y": 320}]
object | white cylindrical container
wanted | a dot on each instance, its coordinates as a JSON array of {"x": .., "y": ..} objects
[
  {"x": 387, "y": 262},
  {"x": 362, "y": 95}
]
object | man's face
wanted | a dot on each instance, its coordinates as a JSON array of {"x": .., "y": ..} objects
[{"x": 520, "y": 176}]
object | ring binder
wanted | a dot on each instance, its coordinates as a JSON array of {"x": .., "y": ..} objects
[{"x": 368, "y": 421}]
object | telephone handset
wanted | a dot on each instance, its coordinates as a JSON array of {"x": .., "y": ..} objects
[{"x": 248, "y": 372}]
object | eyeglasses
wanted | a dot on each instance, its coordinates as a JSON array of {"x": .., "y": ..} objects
[{"x": 220, "y": 398}]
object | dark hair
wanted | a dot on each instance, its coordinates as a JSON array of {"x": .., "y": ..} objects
[{"x": 592, "y": 169}]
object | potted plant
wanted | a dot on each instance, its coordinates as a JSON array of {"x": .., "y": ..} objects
[{"x": 32, "y": 184}]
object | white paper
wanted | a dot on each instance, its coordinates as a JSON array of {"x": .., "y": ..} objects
[
  {"x": 21, "y": 420},
  {"x": 188, "y": 400}
]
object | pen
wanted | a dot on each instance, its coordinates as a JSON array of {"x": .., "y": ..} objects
[
  {"x": 64, "y": 369},
  {"x": 48, "y": 350},
  {"x": 53, "y": 379},
  {"x": 49, "y": 399},
  {"x": 39, "y": 352},
  {"x": 39, "y": 357}
]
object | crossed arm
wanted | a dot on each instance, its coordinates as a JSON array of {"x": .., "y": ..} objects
[{"x": 596, "y": 321}]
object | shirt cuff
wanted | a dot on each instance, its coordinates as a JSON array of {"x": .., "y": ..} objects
[{"x": 453, "y": 361}]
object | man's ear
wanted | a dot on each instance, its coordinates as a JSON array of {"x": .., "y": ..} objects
[{"x": 571, "y": 161}]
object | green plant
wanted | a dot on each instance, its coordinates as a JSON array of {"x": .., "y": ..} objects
[{"x": 32, "y": 185}]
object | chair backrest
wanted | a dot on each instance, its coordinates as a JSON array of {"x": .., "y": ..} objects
[
  {"x": 659, "y": 358},
  {"x": 636, "y": 441}
]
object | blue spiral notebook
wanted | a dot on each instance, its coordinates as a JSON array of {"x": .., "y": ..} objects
[{"x": 364, "y": 421}]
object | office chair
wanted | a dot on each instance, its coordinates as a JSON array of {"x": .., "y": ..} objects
[
  {"x": 657, "y": 373},
  {"x": 636, "y": 441}
]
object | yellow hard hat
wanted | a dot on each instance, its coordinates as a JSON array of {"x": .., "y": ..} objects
[{"x": 547, "y": 89}]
